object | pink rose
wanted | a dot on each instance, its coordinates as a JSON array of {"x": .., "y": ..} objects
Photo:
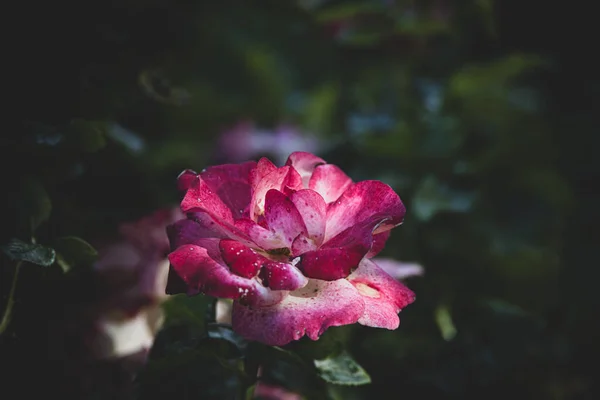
[
  {"x": 133, "y": 272},
  {"x": 291, "y": 245}
]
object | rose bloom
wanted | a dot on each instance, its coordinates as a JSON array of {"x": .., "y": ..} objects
[
  {"x": 292, "y": 246},
  {"x": 132, "y": 272}
]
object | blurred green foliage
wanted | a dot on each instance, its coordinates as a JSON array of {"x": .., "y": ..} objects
[{"x": 481, "y": 115}]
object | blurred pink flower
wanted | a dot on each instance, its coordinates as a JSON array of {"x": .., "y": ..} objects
[
  {"x": 291, "y": 245},
  {"x": 244, "y": 142},
  {"x": 133, "y": 271}
]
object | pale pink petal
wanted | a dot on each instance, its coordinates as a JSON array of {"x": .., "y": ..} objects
[
  {"x": 329, "y": 181},
  {"x": 303, "y": 244},
  {"x": 313, "y": 209},
  {"x": 282, "y": 217},
  {"x": 364, "y": 202},
  {"x": 304, "y": 163},
  {"x": 398, "y": 269},
  {"x": 262, "y": 237},
  {"x": 263, "y": 168},
  {"x": 383, "y": 295},
  {"x": 284, "y": 179},
  {"x": 230, "y": 182},
  {"x": 282, "y": 276},
  {"x": 308, "y": 311}
]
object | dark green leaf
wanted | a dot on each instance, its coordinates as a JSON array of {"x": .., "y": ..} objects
[
  {"x": 34, "y": 253},
  {"x": 342, "y": 370},
  {"x": 34, "y": 203},
  {"x": 188, "y": 310},
  {"x": 73, "y": 251}
]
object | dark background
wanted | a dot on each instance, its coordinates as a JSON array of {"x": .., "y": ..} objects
[{"x": 498, "y": 176}]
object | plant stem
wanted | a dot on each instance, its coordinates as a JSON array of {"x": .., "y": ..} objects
[{"x": 11, "y": 300}]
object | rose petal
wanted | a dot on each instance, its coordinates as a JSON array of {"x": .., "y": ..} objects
[
  {"x": 303, "y": 244},
  {"x": 284, "y": 179},
  {"x": 331, "y": 264},
  {"x": 313, "y": 209},
  {"x": 230, "y": 182},
  {"x": 282, "y": 276},
  {"x": 200, "y": 197},
  {"x": 308, "y": 311},
  {"x": 398, "y": 269},
  {"x": 378, "y": 243},
  {"x": 364, "y": 202},
  {"x": 262, "y": 237},
  {"x": 304, "y": 163},
  {"x": 263, "y": 168},
  {"x": 241, "y": 260},
  {"x": 383, "y": 295},
  {"x": 282, "y": 217},
  {"x": 203, "y": 274},
  {"x": 329, "y": 181},
  {"x": 185, "y": 179}
]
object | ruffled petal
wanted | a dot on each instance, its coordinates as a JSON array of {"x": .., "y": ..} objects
[
  {"x": 364, "y": 203},
  {"x": 262, "y": 237},
  {"x": 313, "y": 209},
  {"x": 282, "y": 276},
  {"x": 383, "y": 295},
  {"x": 329, "y": 181},
  {"x": 230, "y": 182},
  {"x": 200, "y": 197},
  {"x": 304, "y": 163},
  {"x": 284, "y": 179},
  {"x": 308, "y": 311},
  {"x": 201, "y": 273},
  {"x": 283, "y": 217}
]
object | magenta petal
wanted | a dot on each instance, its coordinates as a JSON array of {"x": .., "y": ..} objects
[
  {"x": 331, "y": 264},
  {"x": 304, "y": 163},
  {"x": 201, "y": 273},
  {"x": 230, "y": 182},
  {"x": 186, "y": 231},
  {"x": 282, "y": 276},
  {"x": 263, "y": 168},
  {"x": 313, "y": 209},
  {"x": 185, "y": 179},
  {"x": 282, "y": 217},
  {"x": 378, "y": 243},
  {"x": 241, "y": 260},
  {"x": 329, "y": 181},
  {"x": 308, "y": 311},
  {"x": 383, "y": 295},
  {"x": 366, "y": 201},
  {"x": 200, "y": 197}
]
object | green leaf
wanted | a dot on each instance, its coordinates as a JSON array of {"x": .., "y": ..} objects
[
  {"x": 188, "y": 310},
  {"x": 73, "y": 252},
  {"x": 35, "y": 205},
  {"x": 19, "y": 250},
  {"x": 342, "y": 370}
]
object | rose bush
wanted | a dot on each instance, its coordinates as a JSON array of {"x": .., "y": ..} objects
[{"x": 291, "y": 245}]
